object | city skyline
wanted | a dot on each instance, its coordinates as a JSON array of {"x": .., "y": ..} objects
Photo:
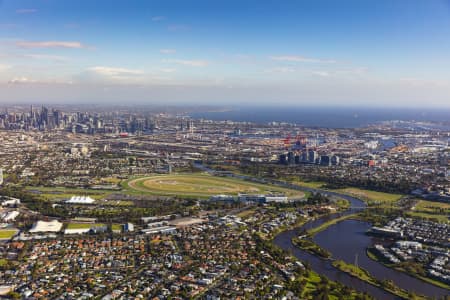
[{"x": 379, "y": 53}]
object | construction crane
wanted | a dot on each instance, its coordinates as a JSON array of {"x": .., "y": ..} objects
[
  {"x": 287, "y": 142},
  {"x": 301, "y": 142}
]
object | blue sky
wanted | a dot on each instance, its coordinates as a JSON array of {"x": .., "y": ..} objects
[{"x": 373, "y": 53}]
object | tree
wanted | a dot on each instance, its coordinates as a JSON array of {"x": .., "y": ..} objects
[{"x": 13, "y": 178}]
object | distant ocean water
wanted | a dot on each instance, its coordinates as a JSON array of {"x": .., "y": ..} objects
[{"x": 326, "y": 116}]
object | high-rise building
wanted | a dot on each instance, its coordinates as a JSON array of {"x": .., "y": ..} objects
[
  {"x": 312, "y": 156},
  {"x": 291, "y": 158},
  {"x": 325, "y": 160},
  {"x": 335, "y": 160},
  {"x": 304, "y": 157}
]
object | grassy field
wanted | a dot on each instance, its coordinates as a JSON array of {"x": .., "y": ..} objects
[
  {"x": 371, "y": 197},
  {"x": 116, "y": 227},
  {"x": 431, "y": 210},
  {"x": 355, "y": 271},
  {"x": 7, "y": 234},
  {"x": 341, "y": 203},
  {"x": 311, "y": 247},
  {"x": 433, "y": 207},
  {"x": 312, "y": 281},
  {"x": 62, "y": 193},
  {"x": 3, "y": 262},
  {"x": 367, "y": 277},
  {"x": 431, "y": 217},
  {"x": 309, "y": 184},
  {"x": 200, "y": 185},
  {"x": 82, "y": 225},
  {"x": 111, "y": 180}
]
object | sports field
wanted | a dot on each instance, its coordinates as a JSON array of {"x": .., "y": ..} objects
[
  {"x": 83, "y": 225},
  {"x": 201, "y": 185},
  {"x": 6, "y": 234}
]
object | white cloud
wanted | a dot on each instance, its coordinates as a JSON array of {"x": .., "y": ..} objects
[
  {"x": 158, "y": 18},
  {"x": 115, "y": 72},
  {"x": 296, "y": 58},
  {"x": 21, "y": 80},
  {"x": 26, "y": 11},
  {"x": 353, "y": 71},
  {"x": 168, "y": 51},
  {"x": 110, "y": 75},
  {"x": 4, "y": 67},
  {"x": 343, "y": 72},
  {"x": 51, "y": 44},
  {"x": 192, "y": 63},
  {"x": 167, "y": 70},
  {"x": 46, "y": 57},
  {"x": 322, "y": 73},
  {"x": 27, "y": 80},
  {"x": 423, "y": 82},
  {"x": 280, "y": 70}
]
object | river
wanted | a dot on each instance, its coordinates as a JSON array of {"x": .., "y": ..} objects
[{"x": 346, "y": 240}]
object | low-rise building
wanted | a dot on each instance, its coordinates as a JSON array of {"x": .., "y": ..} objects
[{"x": 44, "y": 226}]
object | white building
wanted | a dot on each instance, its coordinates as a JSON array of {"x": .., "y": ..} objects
[
  {"x": 262, "y": 198},
  {"x": 10, "y": 216},
  {"x": 5, "y": 289},
  {"x": 129, "y": 227},
  {"x": 276, "y": 198},
  {"x": 80, "y": 200},
  {"x": 44, "y": 226},
  {"x": 161, "y": 229},
  {"x": 11, "y": 202},
  {"x": 77, "y": 230},
  {"x": 408, "y": 244}
]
